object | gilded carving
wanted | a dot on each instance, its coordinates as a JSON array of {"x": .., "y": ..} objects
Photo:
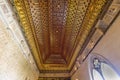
[{"x": 57, "y": 31}]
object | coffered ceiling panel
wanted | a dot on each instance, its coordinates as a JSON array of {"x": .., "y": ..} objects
[{"x": 57, "y": 29}]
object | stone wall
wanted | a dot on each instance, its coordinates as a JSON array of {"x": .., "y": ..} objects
[{"x": 16, "y": 61}]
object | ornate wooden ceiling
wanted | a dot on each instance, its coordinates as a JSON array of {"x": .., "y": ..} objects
[{"x": 57, "y": 29}]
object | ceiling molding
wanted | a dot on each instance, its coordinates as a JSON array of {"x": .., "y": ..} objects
[{"x": 56, "y": 34}]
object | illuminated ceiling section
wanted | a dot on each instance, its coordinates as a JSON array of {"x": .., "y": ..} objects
[{"x": 57, "y": 29}]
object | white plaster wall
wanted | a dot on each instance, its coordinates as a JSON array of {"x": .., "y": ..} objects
[{"x": 109, "y": 47}]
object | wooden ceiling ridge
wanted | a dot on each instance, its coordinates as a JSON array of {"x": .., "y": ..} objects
[{"x": 57, "y": 29}]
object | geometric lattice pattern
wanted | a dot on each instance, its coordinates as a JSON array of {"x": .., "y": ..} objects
[
  {"x": 57, "y": 29},
  {"x": 56, "y": 32}
]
